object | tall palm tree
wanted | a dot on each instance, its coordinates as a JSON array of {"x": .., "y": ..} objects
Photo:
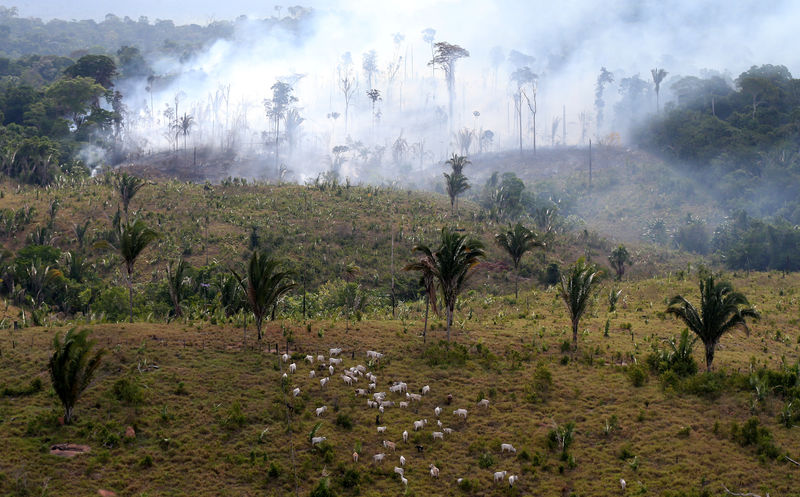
[
  {"x": 456, "y": 184},
  {"x": 577, "y": 286},
  {"x": 72, "y": 367},
  {"x": 457, "y": 163},
  {"x": 185, "y": 124},
  {"x": 618, "y": 258},
  {"x": 452, "y": 263},
  {"x": 133, "y": 239},
  {"x": 658, "y": 77},
  {"x": 175, "y": 279},
  {"x": 721, "y": 310},
  {"x": 264, "y": 284},
  {"x": 517, "y": 241},
  {"x": 428, "y": 282},
  {"x": 127, "y": 186}
]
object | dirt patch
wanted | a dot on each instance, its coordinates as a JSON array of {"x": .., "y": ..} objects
[{"x": 69, "y": 450}]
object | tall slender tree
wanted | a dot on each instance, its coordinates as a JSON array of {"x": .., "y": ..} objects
[
  {"x": 133, "y": 239},
  {"x": 185, "y": 124},
  {"x": 658, "y": 77},
  {"x": 175, "y": 281},
  {"x": 721, "y": 310},
  {"x": 264, "y": 284},
  {"x": 521, "y": 77},
  {"x": 427, "y": 281},
  {"x": 517, "y": 241},
  {"x": 128, "y": 186},
  {"x": 445, "y": 56},
  {"x": 618, "y": 258},
  {"x": 604, "y": 78},
  {"x": 277, "y": 108},
  {"x": 72, "y": 367},
  {"x": 577, "y": 286},
  {"x": 452, "y": 263}
]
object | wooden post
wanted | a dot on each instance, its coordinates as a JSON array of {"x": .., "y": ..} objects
[{"x": 590, "y": 163}]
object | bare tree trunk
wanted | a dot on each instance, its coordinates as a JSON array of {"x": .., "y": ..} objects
[
  {"x": 425, "y": 328},
  {"x": 519, "y": 111},
  {"x": 575, "y": 334},
  {"x": 130, "y": 292},
  {"x": 449, "y": 320},
  {"x": 393, "y": 298},
  {"x": 710, "y": 347}
]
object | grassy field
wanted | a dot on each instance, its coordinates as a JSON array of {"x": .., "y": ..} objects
[{"x": 210, "y": 415}]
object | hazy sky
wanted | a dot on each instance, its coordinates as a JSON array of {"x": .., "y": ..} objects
[{"x": 200, "y": 11}]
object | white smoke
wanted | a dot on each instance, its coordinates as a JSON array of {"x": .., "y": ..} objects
[{"x": 569, "y": 41}]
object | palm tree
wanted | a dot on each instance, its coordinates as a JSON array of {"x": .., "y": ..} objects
[
  {"x": 263, "y": 284},
  {"x": 133, "y": 239},
  {"x": 456, "y": 184},
  {"x": 72, "y": 367},
  {"x": 185, "y": 124},
  {"x": 516, "y": 242},
  {"x": 457, "y": 163},
  {"x": 127, "y": 186},
  {"x": 618, "y": 258},
  {"x": 428, "y": 282},
  {"x": 577, "y": 286},
  {"x": 175, "y": 281},
  {"x": 452, "y": 263},
  {"x": 721, "y": 310},
  {"x": 658, "y": 77}
]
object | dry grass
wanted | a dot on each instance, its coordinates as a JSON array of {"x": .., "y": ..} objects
[{"x": 213, "y": 449}]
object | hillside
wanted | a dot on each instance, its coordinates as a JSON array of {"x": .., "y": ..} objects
[
  {"x": 208, "y": 414},
  {"x": 316, "y": 230}
]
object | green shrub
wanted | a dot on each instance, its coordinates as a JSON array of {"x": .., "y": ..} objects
[
  {"x": 789, "y": 415},
  {"x": 322, "y": 489},
  {"x": 750, "y": 433},
  {"x": 467, "y": 485},
  {"x": 677, "y": 357},
  {"x": 560, "y": 437},
  {"x": 625, "y": 452},
  {"x": 344, "y": 421},
  {"x": 128, "y": 391},
  {"x": 274, "y": 470},
  {"x": 107, "y": 435},
  {"x": 146, "y": 462},
  {"x": 540, "y": 385},
  {"x": 486, "y": 460},
  {"x": 446, "y": 354},
  {"x": 234, "y": 417},
  {"x": 33, "y": 387},
  {"x": 113, "y": 302},
  {"x": 709, "y": 385},
  {"x": 552, "y": 274},
  {"x": 181, "y": 389},
  {"x": 637, "y": 375},
  {"x": 350, "y": 479}
]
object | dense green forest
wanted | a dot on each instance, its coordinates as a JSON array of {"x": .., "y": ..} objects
[
  {"x": 21, "y": 37},
  {"x": 740, "y": 141}
]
